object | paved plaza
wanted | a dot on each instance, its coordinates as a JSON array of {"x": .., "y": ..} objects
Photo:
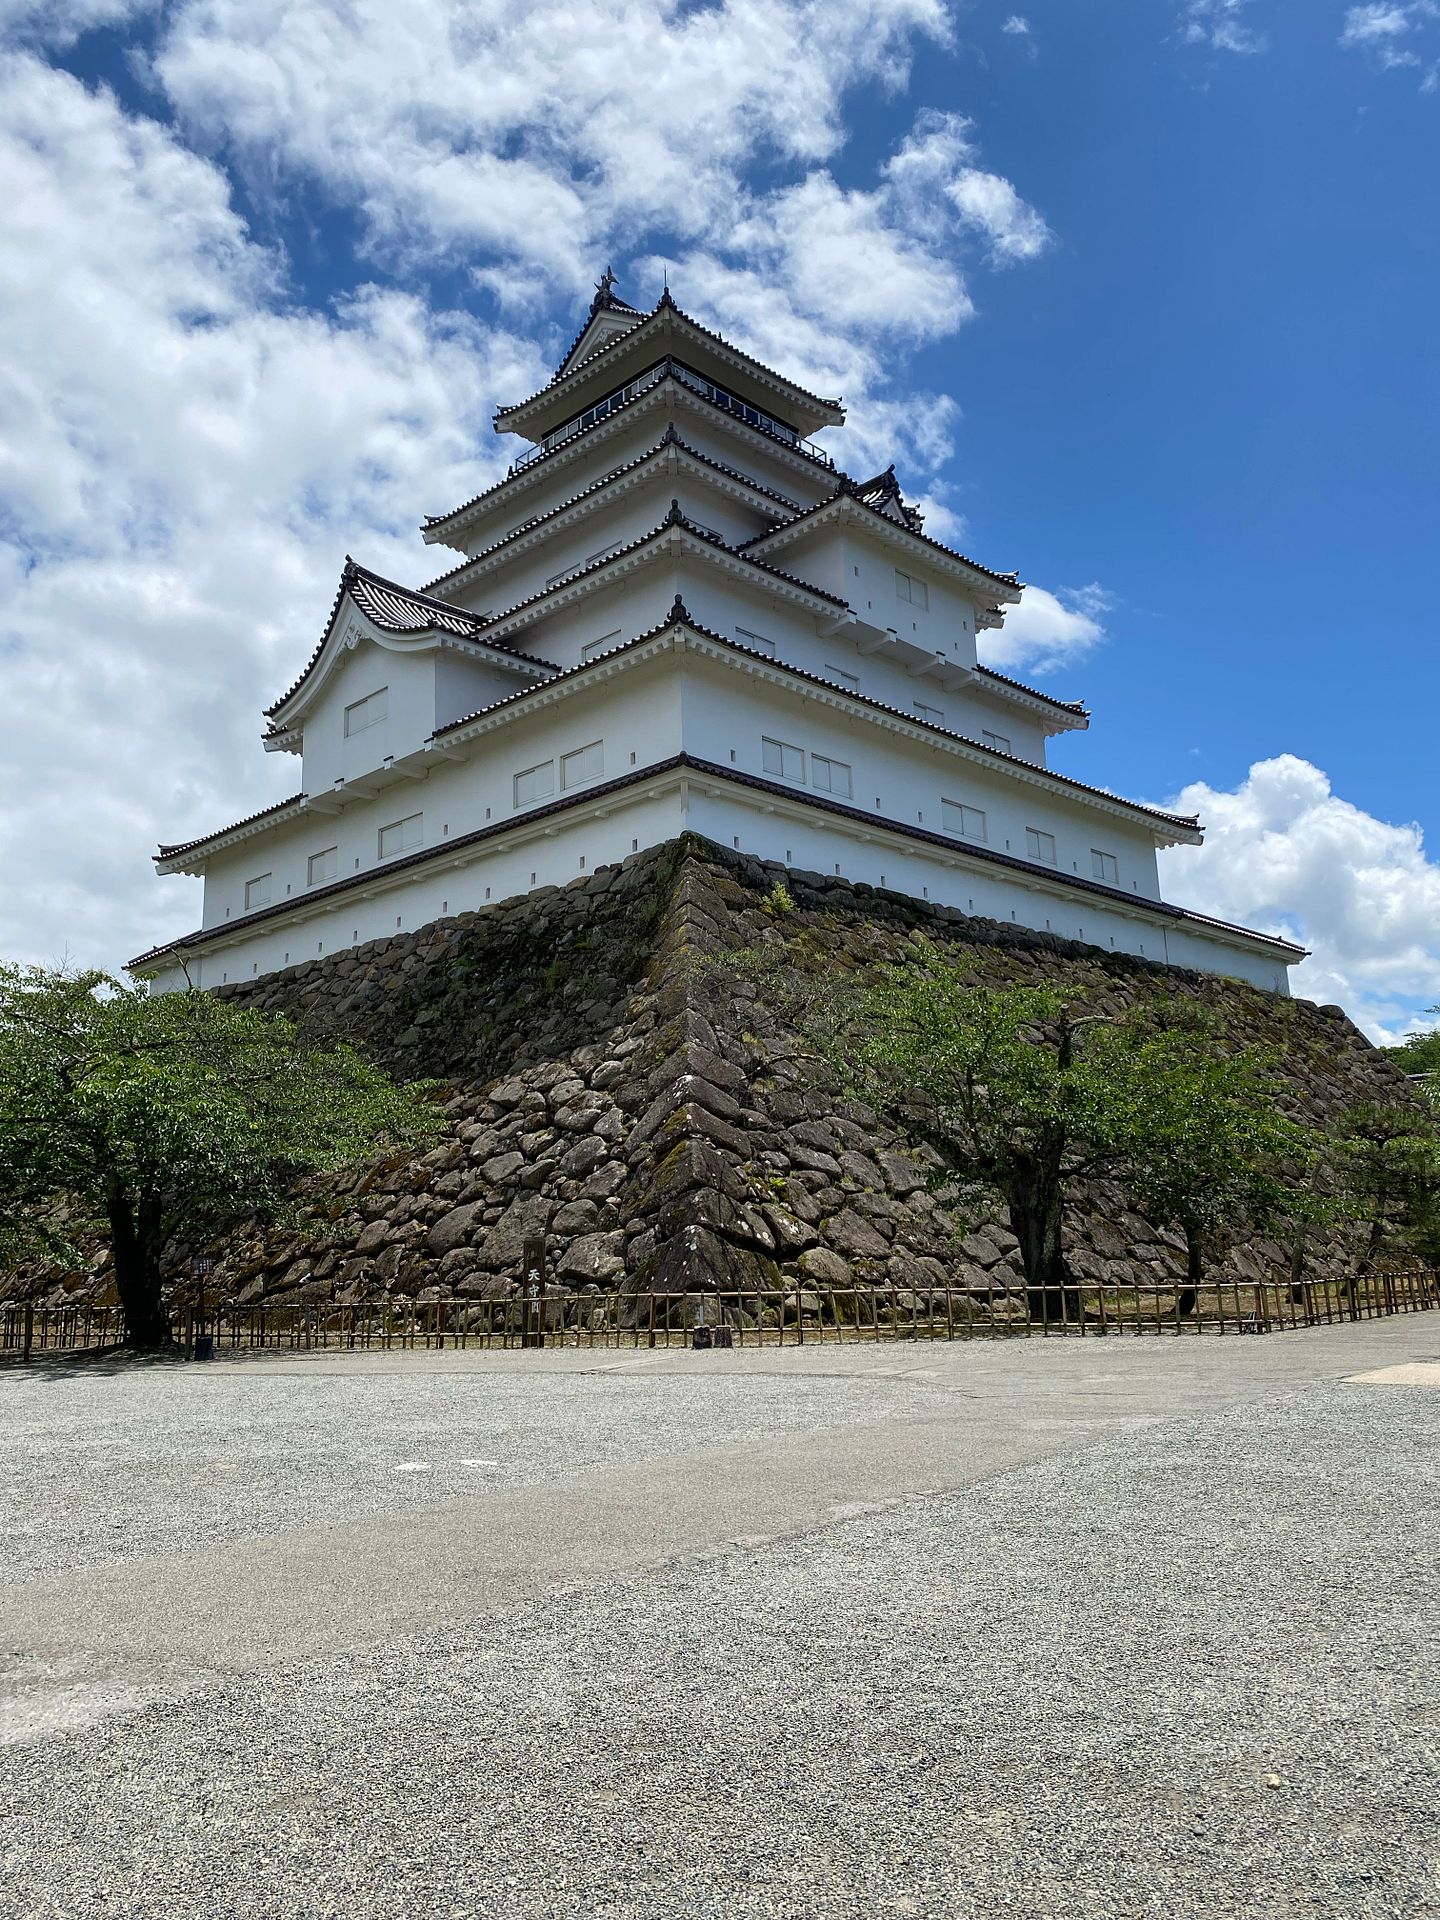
[{"x": 1079, "y": 1630}]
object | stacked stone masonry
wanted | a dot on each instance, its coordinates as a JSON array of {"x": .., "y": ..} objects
[{"x": 653, "y": 1120}]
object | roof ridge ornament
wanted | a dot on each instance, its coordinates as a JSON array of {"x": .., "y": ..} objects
[
  {"x": 678, "y": 612},
  {"x": 674, "y": 518},
  {"x": 604, "y": 290}
]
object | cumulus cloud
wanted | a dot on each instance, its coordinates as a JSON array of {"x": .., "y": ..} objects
[
  {"x": 1048, "y": 630},
  {"x": 59, "y": 23},
  {"x": 1393, "y": 33},
  {"x": 1221, "y": 24},
  {"x": 1017, "y": 24},
  {"x": 184, "y": 460},
  {"x": 829, "y": 281},
  {"x": 526, "y": 127},
  {"x": 1286, "y": 854}
]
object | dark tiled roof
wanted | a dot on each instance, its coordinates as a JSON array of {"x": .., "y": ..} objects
[
  {"x": 666, "y": 304},
  {"x": 397, "y": 609},
  {"x": 1065, "y": 706},
  {"x": 186, "y": 846},
  {"x": 846, "y": 490},
  {"x": 886, "y": 488},
  {"x": 1160, "y": 909},
  {"x": 675, "y": 518},
  {"x": 670, "y": 438},
  {"x": 537, "y": 465}
]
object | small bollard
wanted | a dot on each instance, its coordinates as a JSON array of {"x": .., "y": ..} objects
[
  {"x": 700, "y": 1338},
  {"x": 724, "y": 1337},
  {"x": 204, "y": 1346}
]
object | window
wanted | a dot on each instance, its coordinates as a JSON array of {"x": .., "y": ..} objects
[
  {"x": 934, "y": 715},
  {"x": 999, "y": 741},
  {"x": 912, "y": 590},
  {"x": 320, "y": 867},
  {"x": 535, "y": 783},
  {"x": 584, "y": 764},
  {"x": 368, "y": 712},
  {"x": 592, "y": 647},
  {"x": 257, "y": 891},
  {"x": 850, "y": 680},
  {"x": 1040, "y": 846},
  {"x": 784, "y": 761},
  {"x": 830, "y": 776},
  {"x": 761, "y": 642},
  {"x": 1104, "y": 866},
  {"x": 579, "y": 566},
  {"x": 967, "y": 822},
  {"x": 401, "y": 836}
]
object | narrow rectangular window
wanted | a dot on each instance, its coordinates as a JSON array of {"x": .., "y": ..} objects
[
  {"x": 1104, "y": 866},
  {"x": 783, "y": 760},
  {"x": 967, "y": 822},
  {"x": 368, "y": 712},
  {"x": 535, "y": 783},
  {"x": 606, "y": 640},
  {"x": 933, "y": 716},
  {"x": 761, "y": 642},
  {"x": 850, "y": 680},
  {"x": 999, "y": 741},
  {"x": 257, "y": 891},
  {"x": 577, "y": 769},
  {"x": 320, "y": 867},
  {"x": 831, "y": 776},
  {"x": 913, "y": 591},
  {"x": 1040, "y": 846},
  {"x": 401, "y": 836}
]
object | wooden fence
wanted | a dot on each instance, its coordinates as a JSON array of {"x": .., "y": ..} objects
[{"x": 799, "y": 1316}]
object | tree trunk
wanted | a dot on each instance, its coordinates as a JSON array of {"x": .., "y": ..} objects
[
  {"x": 1037, "y": 1220},
  {"x": 1194, "y": 1275},
  {"x": 135, "y": 1240}
]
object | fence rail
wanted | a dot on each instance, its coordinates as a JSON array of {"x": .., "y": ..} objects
[{"x": 798, "y": 1316}]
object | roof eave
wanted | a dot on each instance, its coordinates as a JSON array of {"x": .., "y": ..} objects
[{"x": 847, "y": 508}]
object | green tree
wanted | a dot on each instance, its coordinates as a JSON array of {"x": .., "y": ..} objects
[
  {"x": 1017, "y": 1094},
  {"x": 1419, "y": 1052},
  {"x": 1387, "y": 1159},
  {"x": 1216, "y": 1154},
  {"x": 171, "y": 1114}
]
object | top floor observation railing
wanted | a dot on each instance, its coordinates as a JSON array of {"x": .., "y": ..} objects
[{"x": 671, "y": 369}]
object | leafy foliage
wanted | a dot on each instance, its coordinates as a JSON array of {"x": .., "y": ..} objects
[
  {"x": 1016, "y": 1094},
  {"x": 169, "y": 1114},
  {"x": 1217, "y": 1154},
  {"x": 1419, "y": 1052},
  {"x": 1388, "y": 1169}
]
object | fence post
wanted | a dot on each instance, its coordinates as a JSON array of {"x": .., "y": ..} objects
[{"x": 28, "y": 1337}]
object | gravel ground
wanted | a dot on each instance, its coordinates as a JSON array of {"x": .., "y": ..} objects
[
  {"x": 1185, "y": 1670},
  {"x": 101, "y": 1466}
]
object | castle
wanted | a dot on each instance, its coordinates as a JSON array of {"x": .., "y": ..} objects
[{"x": 674, "y": 614}]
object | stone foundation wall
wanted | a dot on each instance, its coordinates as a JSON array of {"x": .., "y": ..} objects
[{"x": 655, "y": 1121}]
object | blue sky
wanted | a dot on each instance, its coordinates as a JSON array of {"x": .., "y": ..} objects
[{"x": 1139, "y": 295}]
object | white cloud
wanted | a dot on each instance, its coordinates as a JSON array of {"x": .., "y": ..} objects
[
  {"x": 184, "y": 460},
  {"x": 1017, "y": 24},
  {"x": 829, "y": 281},
  {"x": 528, "y": 128},
  {"x": 1221, "y": 24},
  {"x": 1285, "y": 854},
  {"x": 59, "y": 23},
  {"x": 1393, "y": 33},
  {"x": 1048, "y": 630}
]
